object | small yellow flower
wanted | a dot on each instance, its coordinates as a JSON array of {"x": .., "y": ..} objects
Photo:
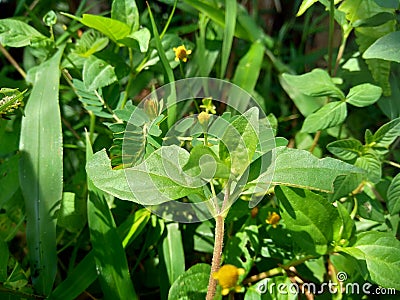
[
  {"x": 227, "y": 277},
  {"x": 181, "y": 53},
  {"x": 273, "y": 219}
]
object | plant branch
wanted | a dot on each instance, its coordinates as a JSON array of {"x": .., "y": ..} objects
[{"x": 12, "y": 61}]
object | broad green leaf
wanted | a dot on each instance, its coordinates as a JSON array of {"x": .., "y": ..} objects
[
  {"x": 41, "y": 171},
  {"x": 248, "y": 69},
  {"x": 393, "y": 195},
  {"x": 16, "y": 33},
  {"x": 239, "y": 141},
  {"x": 381, "y": 252},
  {"x": 387, "y": 133},
  {"x": 206, "y": 164},
  {"x": 97, "y": 73},
  {"x": 330, "y": 115},
  {"x": 306, "y": 4},
  {"x": 112, "y": 28},
  {"x": 173, "y": 255},
  {"x": 127, "y": 12},
  {"x": 161, "y": 172},
  {"x": 372, "y": 165},
  {"x": 363, "y": 95},
  {"x": 192, "y": 284},
  {"x": 229, "y": 30},
  {"x": 299, "y": 168},
  {"x": 314, "y": 221},
  {"x": 316, "y": 83},
  {"x": 346, "y": 149},
  {"x": 111, "y": 262},
  {"x": 386, "y": 48}
]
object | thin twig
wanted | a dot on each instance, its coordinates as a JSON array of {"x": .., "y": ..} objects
[
  {"x": 12, "y": 61},
  {"x": 315, "y": 141}
]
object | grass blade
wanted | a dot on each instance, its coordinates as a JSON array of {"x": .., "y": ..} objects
[
  {"x": 172, "y": 257},
  {"x": 229, "y": 31},
  {"x": 109, "y": 254},
  {"x": 168, "y": 70},
  {"x": 85, "y": 272},
  {"x": 41, "y": 171}
]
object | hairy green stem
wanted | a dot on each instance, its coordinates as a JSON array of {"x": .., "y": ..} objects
[{"x": 216, "y": 260}]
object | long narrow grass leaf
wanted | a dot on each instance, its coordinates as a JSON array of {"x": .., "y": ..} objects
[
  {"x": 41, "y": 171},
  {"x": 229, "y": 31},
  {"x": 168, "y": 70}
]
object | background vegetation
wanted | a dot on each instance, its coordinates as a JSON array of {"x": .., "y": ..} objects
[{"x": 326, "y": 73}]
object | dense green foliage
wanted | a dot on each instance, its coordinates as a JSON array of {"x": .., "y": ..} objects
[{"x": 305, "y": 179}]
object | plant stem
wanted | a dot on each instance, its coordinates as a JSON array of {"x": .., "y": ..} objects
[
  {"x": 315, "y": 141},
  {"x": 331, "y": 35},
  {"x": 216, "y": 260},
  {"x": 12, "y": 61}
]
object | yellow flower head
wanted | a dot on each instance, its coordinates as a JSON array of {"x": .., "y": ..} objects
[
  {"x": 273, "y": 219},
  {"x": 181, "y": 53},
  {"x": 203, "y": 118},
  {"x": 227, "y": 277}
]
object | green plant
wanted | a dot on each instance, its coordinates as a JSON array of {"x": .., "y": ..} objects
[{"x": 124, "y": 117}]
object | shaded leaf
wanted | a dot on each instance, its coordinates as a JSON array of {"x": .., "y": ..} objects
[{"x": 41, "y": 171}]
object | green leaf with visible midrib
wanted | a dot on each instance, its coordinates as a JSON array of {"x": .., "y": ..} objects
[
  {"x": 314, "y": 219},
  {"x": 41, "y": 171},
  {"x": 381, "y": 251},
  {"x": 299, "y": 168}
]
